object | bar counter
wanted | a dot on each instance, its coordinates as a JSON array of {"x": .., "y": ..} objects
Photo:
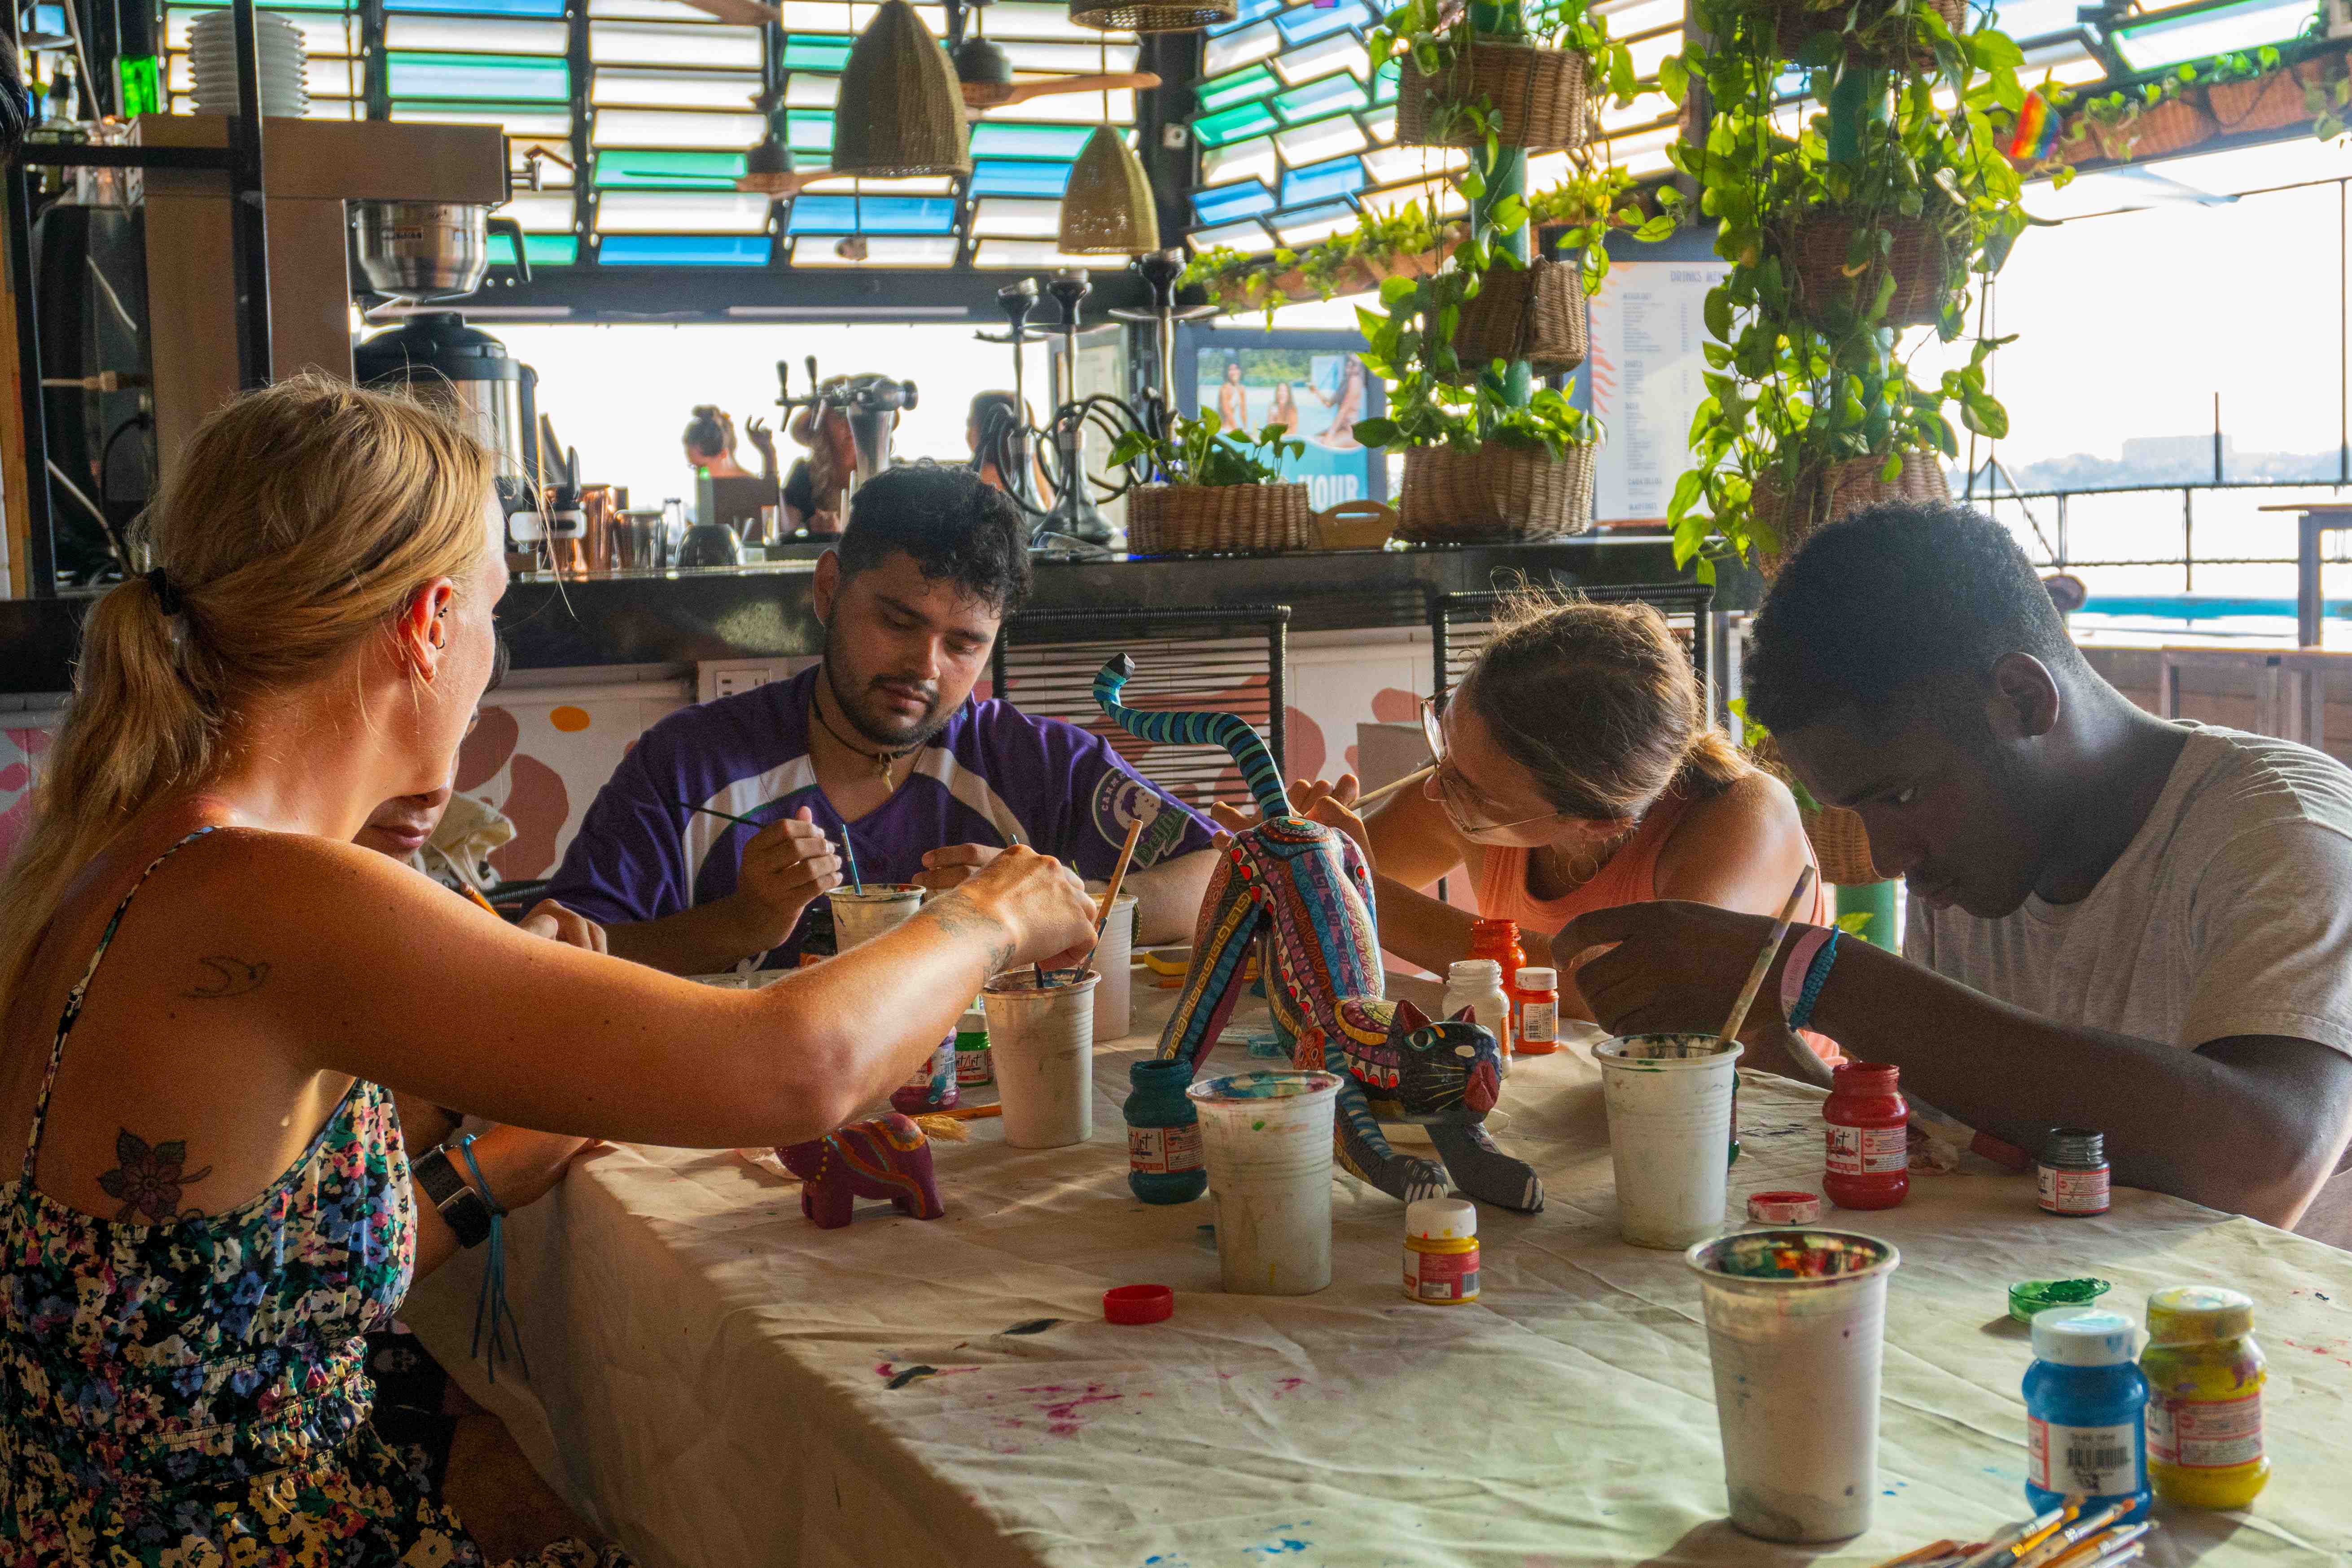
[{"x": 679, "y": 617}]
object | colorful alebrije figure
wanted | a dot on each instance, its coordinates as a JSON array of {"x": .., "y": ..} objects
[
  {"x": 884, "y": 1158},
  {"x": 1302, "y": 889}
]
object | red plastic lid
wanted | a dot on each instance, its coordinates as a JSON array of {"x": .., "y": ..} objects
[
  {"x": 1138, "y": 1304},
  {"x": 1791, "y": 1208}
]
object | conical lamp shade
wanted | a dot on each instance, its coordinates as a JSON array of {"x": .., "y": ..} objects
[
  {"x": 1107, "y": 209},
  {"x": 900, "y": 114}
]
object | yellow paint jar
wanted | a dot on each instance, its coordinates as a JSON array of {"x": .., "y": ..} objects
[
  {"x": 2205, "y": 1376},
  {"x": 1440, "y": 1251}
]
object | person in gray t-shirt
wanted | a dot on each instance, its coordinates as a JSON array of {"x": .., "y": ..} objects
[{"x": 2116, "y": 922}]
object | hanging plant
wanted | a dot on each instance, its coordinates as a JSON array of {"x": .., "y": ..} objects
[
  {"x": 1456, "y": 87},
  {"x": 1810, "y": 390}
]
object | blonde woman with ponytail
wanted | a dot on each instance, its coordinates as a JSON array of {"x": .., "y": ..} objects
[
  {"x": 1575, "y": 770},
  {"x": 208, "y": 994}
]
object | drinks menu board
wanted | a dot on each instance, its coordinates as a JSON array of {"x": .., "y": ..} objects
[{"x": 1648, "y": 323}]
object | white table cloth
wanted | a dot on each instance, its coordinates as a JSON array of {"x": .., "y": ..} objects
[{"x": 721, "y": 1384}]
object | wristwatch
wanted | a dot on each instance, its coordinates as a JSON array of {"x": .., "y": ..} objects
[{"x": 468, "y": 1217}]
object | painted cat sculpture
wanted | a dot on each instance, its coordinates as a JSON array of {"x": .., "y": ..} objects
[
  {"x": 889, "y": 1157},
  {"x": 1300, "y": 892}
]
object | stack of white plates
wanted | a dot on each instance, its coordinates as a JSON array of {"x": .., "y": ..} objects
[{"x": 211, "y": 53}]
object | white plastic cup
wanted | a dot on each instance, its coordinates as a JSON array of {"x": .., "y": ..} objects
[
  {"x": 1041, "y": 1045},
  {"x": 1266, "y": 1139},
  {"x": 1114, "y": 961},
  {"x": 1669, "y": 1098},
  {"x": 861, "y": 917},
  {"x": 1796, "y": 1323}
]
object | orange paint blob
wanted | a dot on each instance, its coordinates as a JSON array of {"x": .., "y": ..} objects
[{"x": 568, "y": 718}]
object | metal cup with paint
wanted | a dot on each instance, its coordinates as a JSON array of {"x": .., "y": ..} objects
[
  {"x": 1669, "y": 1100},
  {"x": 1266, "y": 1139},
  {"x": 861, "y": 917},
  {"x": 1041, "y": 1045},
  {"x": 1795, "y": 1324}
]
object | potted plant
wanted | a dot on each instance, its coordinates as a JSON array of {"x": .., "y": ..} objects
[
  {"x": 1404, "y": 243},
  {"x": 1536, "y": 310},
  {"x": 1217, "y": 492},
  {"x": 1456, "y": 87},
  {"x": 2270, "y": 89},
  {"x": 1480, "y": 471}
]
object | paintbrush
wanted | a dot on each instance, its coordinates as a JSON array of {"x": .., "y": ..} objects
[
  {"x": 1927, "y": 1553},
  {"x": 1730, "y": 1030},
  {"x": 2047, "y": 1526},
  {"x": 2096, "y": 1548},
  {"x": 1038, "y": 970},
  {"x": 971, "y": 1113},
  {"x": 722, "y": 816},
  {"x": 2004, "y": 1542},
  {"x": 2056, "y": 1546},
  {"x": 849, "y": 851},
  {"x": 475, "y": 895},
  {"x": 1378, "y": 797},
  {"x": 1110, "y": 893}
]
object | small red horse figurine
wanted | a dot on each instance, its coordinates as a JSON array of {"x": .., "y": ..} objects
[{"x": 886, "y": 1158}]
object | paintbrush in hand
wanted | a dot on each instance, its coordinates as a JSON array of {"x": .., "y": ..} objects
[
  {"x": 1730, "y": 1030},
  {"x": 1110, "y": 893}
]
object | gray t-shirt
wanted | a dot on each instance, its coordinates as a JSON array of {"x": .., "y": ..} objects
[{"x": 2229, "y": 913}]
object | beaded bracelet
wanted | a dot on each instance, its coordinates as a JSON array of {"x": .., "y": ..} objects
[
  {"x": 1816, "y": 975},
  {"x": 492, "y": 1304}
]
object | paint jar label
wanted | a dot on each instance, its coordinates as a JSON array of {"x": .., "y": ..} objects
[
  {"x": 939, "y": 1068},
  {"x": 2073, "y": 1192},
  {"x": 1441, "y": 1275},
  {"x": 973, "y": 1067},
  {"x": 2205, "y": 1435},
  {"x": 1867, "y": 1150},
  {"x": 1169, "y": 1150},
  {"x": 1539, "y": 1021},
  {"x": 2082, "y": 1462}
]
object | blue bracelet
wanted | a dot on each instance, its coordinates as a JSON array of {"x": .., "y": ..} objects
[
  {"x": 492, "y": 1303},
  {"x": 1816, "y": 975}
]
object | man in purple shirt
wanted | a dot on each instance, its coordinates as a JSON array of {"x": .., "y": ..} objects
[{"x": 881, "y": 744}]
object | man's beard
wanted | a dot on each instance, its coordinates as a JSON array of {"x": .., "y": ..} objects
[{"x": 890, "y": 738}]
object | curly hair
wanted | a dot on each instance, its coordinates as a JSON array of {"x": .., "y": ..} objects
[{"x": 956, "y": 528}]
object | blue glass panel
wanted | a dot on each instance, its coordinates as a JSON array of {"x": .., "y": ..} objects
[
  {"x": 684, "y": 250},
  {"x": 479, "y": 7},
  {"x": 994, "y": 177},
  {"x": 52, "y": 19},
  {"x": 810, "y": 130},
  {"x": 1228, "y": 203},
  {"x": 1251, "y": 11},
  {"x": 1321, "y": 182},
  {"x": 1307, "y": 24},
  {"x": 873, "y": 215},
  {"x": 1324, "y": 214},
  {"x": 1384, "y": 83},
  {"x": 990, "y": 140},
  {"x": 505, "y": 78}
]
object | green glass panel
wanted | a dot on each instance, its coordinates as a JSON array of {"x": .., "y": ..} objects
[
  {"x": 1248, "y": 119},
  {"x": 544, "y": 249},
  {"x": 1239, "y": 88},
  {"x": 809, "y": 130},
  {"x": 506, "y": 78},
  {"x": 273, "y": 5},
  {"x": 993, "y": 139},
  {"x": 806, "y": 54},
  {"x": 672, "y": 170},
  {"x": 1384, "y": 83}
]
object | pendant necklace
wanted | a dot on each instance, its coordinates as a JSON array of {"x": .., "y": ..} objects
[{"x": 883, "y": 761}]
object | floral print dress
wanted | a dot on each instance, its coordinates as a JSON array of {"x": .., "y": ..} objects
[{"x": 194, "y": 1392}]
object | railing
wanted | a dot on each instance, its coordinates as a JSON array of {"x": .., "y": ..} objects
[{"x": 2053, "y": 527}]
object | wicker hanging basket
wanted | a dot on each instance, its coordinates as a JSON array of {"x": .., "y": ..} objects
[
  {"x": 1494, "y": 495},
  {"x": 1538, "y": 97},
  {"x": 1535, "y": 313},
  {"x": 1107, "y": 207},
  {"x": 1793, "y": 22},
  {"x": 1840, "y": 841},
  {"x": 1174, "y": 519},
  {"x": 1153, "y": 15},
  {"x": 1365, "y": 274},
  {"x": 2272, "y": 103},
  {"x": 1826, "y": 492},
  {"x": 900, "y": 114},
  {"x": 1927, "y": 271},
  {"x": 2158, "y": 130}
]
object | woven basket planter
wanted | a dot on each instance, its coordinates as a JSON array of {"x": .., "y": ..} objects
[
  {"x": 1813, "y": 248},
  {"x": 1793, "y": 22},
  {"x": 1827, "y": 492},
  {"x": 1495, "y": 494},
  {"x": 2269, "y": 102},
  {"x": 1172, "y": 520},
  {"x": 1538, "y": 93},
  {"x": 1840, "y": 841},
  {"x": 1535, "y": 313},
  {"x": 2172, "y": 126},
  {"x": 1153, "y": 15},
  {"x": 1365, "y": 274}
]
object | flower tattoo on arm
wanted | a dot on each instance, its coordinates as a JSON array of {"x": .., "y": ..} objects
[{"x": 150, "y": 1178}]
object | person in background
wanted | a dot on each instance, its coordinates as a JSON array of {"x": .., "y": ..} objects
[
  {"x": 709, "y": 442},
  {"x": 15, "y": 105},
  {"x": 2116, "y": 922},
  {"x": 815, "y": 489},
  {"x": 1284, "y": 411},
  {"x": 209, "y": 995},
  {"x": 1346, "y": 406},
  {"x": 1233, "y": 398},
  {"x": 1575, "y": 770},
  {"x": 881, "y": 744}
]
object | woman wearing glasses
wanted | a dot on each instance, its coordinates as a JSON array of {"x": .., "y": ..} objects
[{"x": 1575, "y": 770}]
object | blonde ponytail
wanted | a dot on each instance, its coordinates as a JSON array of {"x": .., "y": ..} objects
[{"x": 301, "y": 519}]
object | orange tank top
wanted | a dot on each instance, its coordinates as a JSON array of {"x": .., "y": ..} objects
[{"x": 1630, "y": 877}]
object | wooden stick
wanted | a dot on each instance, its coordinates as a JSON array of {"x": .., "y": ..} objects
[
  {"x": 475, "y": 895},
  {"x": 971, "y": 1113},
  {"x": 1730, "y": 1030},
  {"x": 1379, "y": 797},
  {"x": 1927, "y": 1553},
  {"x": 1110, "y": 894}
]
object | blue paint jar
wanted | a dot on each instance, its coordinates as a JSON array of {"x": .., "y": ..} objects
[
  {"x": 1163, "y": 1134},
  {"x": 2085, "y": 1413}
]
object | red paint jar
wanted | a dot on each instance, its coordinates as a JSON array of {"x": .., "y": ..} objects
[{"x": 1869, "y": 1164}]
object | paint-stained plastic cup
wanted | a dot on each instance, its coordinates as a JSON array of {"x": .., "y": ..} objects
[
  {"x": 1041, "y": 1045},
  {"x": 1114, "y": 961},
  {"x": 861, "y": 917},
  {"x": 1795, "y": 1324},
  {"x": 1267, "y": 1140},
  {"x": 1669, "y": 1098}
]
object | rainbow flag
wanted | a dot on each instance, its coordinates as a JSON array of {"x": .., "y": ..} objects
[{"x": 2036, "y": 135}]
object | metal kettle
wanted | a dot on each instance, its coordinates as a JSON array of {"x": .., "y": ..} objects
[
  {"x": 418, "y": 250},
  {"x": 470, "y": 375}
]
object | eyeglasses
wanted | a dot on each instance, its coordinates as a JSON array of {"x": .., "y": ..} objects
[{"x": 1450, "y": 781}]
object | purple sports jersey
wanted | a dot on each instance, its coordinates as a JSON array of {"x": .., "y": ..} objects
[{"x": 640, "y": 855}]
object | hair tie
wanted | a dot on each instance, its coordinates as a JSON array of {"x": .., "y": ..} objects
[{"x": 167, "y": 595}]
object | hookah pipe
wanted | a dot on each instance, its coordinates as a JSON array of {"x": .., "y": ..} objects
[
  {"x": 1159, "y": 270},
  {"x": 1004, "y": 437}
]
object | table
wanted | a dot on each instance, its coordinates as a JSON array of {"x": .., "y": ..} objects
[{"x": 720, "y": 1384}]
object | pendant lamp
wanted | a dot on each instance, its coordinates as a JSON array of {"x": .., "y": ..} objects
[
  {"x": 1107, "y": 208},
  {"x": 900, "y": 114},
  {"x": 1153, "y": 15}
]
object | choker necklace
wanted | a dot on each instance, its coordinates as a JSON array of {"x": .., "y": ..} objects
[{"x": 883, "y": 761}]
